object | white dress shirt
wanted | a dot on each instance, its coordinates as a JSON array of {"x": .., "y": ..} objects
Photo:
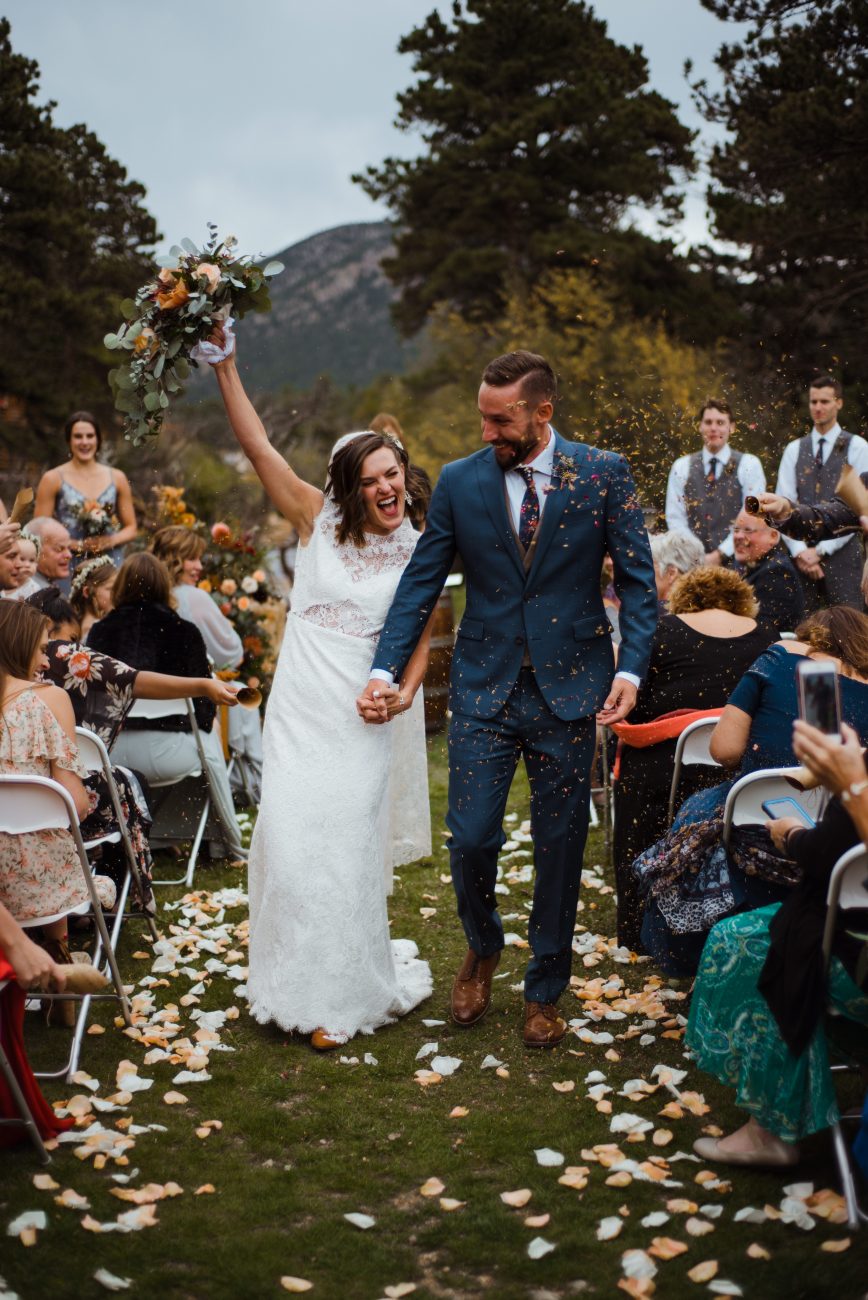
[
  {"x": 751, "y": 478},
  {"x": 787, "y": 486},
  {"x": 516, "y": 486}
]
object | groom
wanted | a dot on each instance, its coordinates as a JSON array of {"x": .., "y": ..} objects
[{"x": 531, "y": 516}]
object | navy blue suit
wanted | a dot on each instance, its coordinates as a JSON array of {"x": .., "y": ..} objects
[{"x": 533, "y": 663}]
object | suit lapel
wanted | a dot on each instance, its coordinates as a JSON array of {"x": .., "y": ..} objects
[
  {"x": 493, "y": 493},
  {"x": 554, "y": 507}
]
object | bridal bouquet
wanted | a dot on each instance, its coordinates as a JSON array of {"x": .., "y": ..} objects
[{"x": 194, "y": 290}]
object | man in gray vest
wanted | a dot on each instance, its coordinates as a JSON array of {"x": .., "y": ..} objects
[
  {"x": 707, "y": 488},
  {"x": 810, "y": 467}
]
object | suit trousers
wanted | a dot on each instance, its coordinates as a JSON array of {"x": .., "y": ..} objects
[{"x": 483, "y": 756}]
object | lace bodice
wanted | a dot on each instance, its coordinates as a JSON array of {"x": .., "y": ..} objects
[{"x": 348, "y": 588}]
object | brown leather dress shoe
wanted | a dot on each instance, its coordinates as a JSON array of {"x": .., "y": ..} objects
[
  {"x": 471, "y": 990},
  {"x": 543, "y": 1027}
]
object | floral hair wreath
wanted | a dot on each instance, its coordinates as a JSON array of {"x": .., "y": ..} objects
[
  {"x": 87, "y": 571},
  {"x": 36, "y": 542}
]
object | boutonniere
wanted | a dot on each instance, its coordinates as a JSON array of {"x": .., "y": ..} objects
[{"x": 566, "y": 471}]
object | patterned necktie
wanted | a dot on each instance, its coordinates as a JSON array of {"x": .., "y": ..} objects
[
  {"x": 818, "y": 459},
  {"x": 711, "y": 476},
  {"x": 529, "y": 514}
]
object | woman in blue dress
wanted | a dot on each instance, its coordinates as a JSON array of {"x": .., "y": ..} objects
[
  {"x": 92, "y": 501},
  {"x": 687, "y": 879}
]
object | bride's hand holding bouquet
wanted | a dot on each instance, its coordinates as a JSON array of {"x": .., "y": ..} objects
[{"x": 169, "y": 322}]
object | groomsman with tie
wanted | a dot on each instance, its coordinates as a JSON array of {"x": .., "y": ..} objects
[
  {"x": 532, "y": 517},
  {"x": 707, "y": 488},
  {"x": 810, "y": 467}
]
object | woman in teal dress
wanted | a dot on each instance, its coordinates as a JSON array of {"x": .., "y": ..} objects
[
  {"x": 92, "y": 500},
  {"x": 756, "y": 1017}
]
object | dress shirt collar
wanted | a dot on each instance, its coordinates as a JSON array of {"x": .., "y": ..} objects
[
  {"x": 722, "y": 456},
  {"x": 830, "y": 437}
]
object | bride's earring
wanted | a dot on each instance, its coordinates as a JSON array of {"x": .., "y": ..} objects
[{"x": 408, "y": 500}]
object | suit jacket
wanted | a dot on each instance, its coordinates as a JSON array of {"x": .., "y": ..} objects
[
  {"x": 778, "y": 589},
  {"x": 549, "y": 608},
  {"x": 815, "y": 523}
]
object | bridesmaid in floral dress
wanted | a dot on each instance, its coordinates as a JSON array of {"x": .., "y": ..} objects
[{"x": 92, "y": 501}]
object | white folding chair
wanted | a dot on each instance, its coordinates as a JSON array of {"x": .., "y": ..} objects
[
  {"x": 744, "y": 803},
  {"x": 197, "y": 775},
  {"x": 691, "y": 751},
  {"x": 848, "y": 888},
  {"x": 26, "y": 1119},
  {"x": 36, "y": 803},
  {"x": 94, "y": 755}
]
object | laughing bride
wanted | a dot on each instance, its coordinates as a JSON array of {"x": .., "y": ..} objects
[{"x": 333, "y": 789}]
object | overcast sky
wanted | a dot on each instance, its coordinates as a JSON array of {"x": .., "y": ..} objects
[{"x": 254, "y": 115}]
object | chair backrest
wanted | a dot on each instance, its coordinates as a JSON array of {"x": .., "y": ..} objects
[
  {"x": 848, "y": 888},
  {"x": 692, "y": 747},
  {"x": 34, "y": 803},
  {"x": 744, "y": 803},
  {"x": 153, "y": 709},
  {"x": 91, "y": 750}
]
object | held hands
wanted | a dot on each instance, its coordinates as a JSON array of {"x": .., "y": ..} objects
[
  {"x": 837, "y": 763},
  {"x": 808, "y": 562},
  {"x": 618, "y": 703},
  {"x": 380, "y": 702}
]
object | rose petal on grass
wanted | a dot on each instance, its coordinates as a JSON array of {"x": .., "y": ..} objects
[
  {"x": 662, "y": 1137},
  {"x": 518, "y": 1198},
  {"x": 445, "y": 1065},
  {"x": 432, "y": 1187},
  {"x": 26, "y": 1226},
  {"x": 458, "y": 1112},
  {"x": 399, "y": 1289},
  {"x": 666, "y": 1248},
  {"x": 639, "y": 1288},
  {"x": 427, "y": 1049},
  {"x": 638, "y": 1264},
  {"x": 698, "y": 1227},
  {"x": 296, "y": 1284},
  {"x": 363, "y": 1221},
  {"x": 174, "y": 1098},
  {"x": 110, "y": 1281},
  {"x": 566, "y": 1085},
  {"x": 449, "y": 1203},
  {"x": 539, "y": 1247},
  {"x": 609, "y": 1228},
  {"x": 655, "y": 1220},
  {"x": 192, "y": 1076},
  {"x": 577, "y": 1179},
  {"x": 703, "y": 1272},
  {"x": 720, "y": 1286},
  {"x": 836, "y": 1245},
  {"x": 207, "y": 1189},
  {"x": 428, "y": 1078},
  {"x": 45, "y": 1183},
  {"x": 548, "y": 1158},
  {"x": 96, "y": 1029},
  {"x": 72, "y": 1200},
  {"x": 537, "y": 1220},
  {"x": 490, "y": 1063},
  {"x": 756, "y": 1251}
]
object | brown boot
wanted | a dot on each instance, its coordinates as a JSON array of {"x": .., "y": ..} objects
[
  {"x": 471, "y": 990},
  {"x": 543, "y": 1027}
]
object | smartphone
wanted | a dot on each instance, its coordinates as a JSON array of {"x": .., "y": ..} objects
[
  {"x": 786, "y": 807},
  {"x": 819, "y": 702}
]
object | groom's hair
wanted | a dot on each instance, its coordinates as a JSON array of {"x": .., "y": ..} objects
[{"x": 540, "y": 384}]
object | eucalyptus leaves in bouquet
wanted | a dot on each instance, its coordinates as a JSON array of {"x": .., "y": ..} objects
[{"x": 194, "y": 290}]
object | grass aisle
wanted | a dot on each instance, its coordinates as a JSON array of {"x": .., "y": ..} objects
[{"x": 302, "y": 1140}]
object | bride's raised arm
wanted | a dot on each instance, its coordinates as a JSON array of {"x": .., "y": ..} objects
[{"x": 297, "y": 501}]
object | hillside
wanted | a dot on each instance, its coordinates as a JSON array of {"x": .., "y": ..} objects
[{"x": 330, "y": 314}]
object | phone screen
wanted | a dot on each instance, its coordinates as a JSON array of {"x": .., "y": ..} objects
[
  {"x": 787, "y": 807},
  {"x": 818, "y": 698}
]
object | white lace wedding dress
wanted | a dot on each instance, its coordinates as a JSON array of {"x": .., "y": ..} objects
[{"x": 342, "y": 803}]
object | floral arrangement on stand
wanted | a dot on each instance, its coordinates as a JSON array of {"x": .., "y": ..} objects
[
  {"x": 235, "y": 576},
  {"x": 194, "y": 290}
]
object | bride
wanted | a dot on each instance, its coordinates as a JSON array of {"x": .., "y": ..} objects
[{"x": 336, "y": 794}]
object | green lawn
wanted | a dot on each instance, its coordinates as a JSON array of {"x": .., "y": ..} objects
[{"x": 306, "y": 1139}]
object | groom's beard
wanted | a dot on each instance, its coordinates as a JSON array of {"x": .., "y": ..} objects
[{"x": 510, "y": 454}]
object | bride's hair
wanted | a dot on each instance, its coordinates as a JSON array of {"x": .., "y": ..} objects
[{"x": 344, "y": 485}]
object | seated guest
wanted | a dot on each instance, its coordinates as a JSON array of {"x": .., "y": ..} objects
[
  {"x": 145, "y": 632},
  {"x": 91, "y": 592},
  {"x": 701, "y": 649},
  {"x": 762, "y": 560},
  {"x": 11, "y": 565},
  {"x": 181, "y": 551},
  {"x": 28, "y": 556},
  {"x": 62, "y": 618},
  {"x": 674, "y": 554},
  {"x": 27, "y": 967},
  {"x": 756, "y": 1018},
  {"x": 687, "y": 879},
  {"x": 41, "y": 880},
  {"x": 55, "y": 554}
]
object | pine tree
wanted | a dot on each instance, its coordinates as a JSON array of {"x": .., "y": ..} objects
[
  {"x": 73, "y": 237},
  {"x": 540, "y": 133}
]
